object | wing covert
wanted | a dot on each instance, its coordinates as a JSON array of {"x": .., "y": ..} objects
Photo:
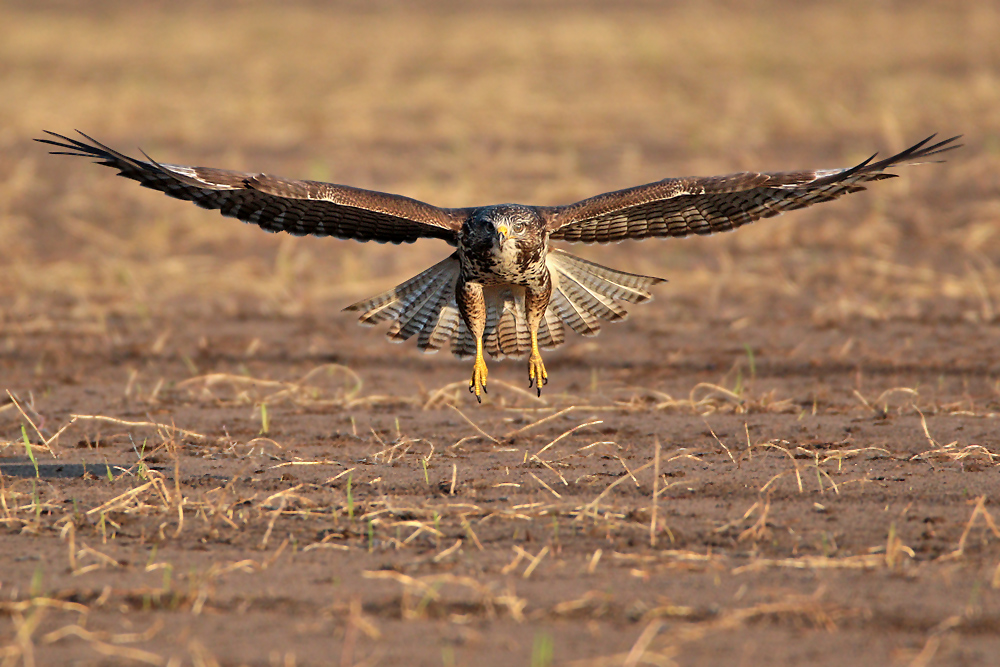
[
  {"x": 281, "y": 205},
  {"x": 705, "y": 205}
]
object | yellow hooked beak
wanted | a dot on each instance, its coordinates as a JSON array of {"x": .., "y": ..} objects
[{"x": 502, "y": 230}]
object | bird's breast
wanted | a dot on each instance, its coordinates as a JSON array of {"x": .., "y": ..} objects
[{"x": 506, "y": 264}]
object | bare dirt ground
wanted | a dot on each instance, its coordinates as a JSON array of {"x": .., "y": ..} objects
[{"x": 788, "y": 457}]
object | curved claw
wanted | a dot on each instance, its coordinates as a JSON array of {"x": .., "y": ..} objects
[
  {"x": 537, "y": 375},
  {"x": 477, "y": 385}
]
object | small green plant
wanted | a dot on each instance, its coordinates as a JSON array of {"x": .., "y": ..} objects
[
  {"x": 265, "y": 422},
  {"x": 140, "y": 452},
  {"x": 828, "y": 545},
  {"x": 36, "y": 582},
  {"x": 542, "y": 651},
  {"x": 429, "y": 596},
  {"x": 738, "y": 387},
  {"x": 27, "y": 448},
  {"x": 192, "y": 369},
  {"x": 36, "y": 502},
  {"x": 750, "y": 361},
  {"x": 168, "y": 573}
]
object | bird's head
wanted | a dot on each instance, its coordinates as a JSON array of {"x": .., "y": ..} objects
[{"x": 503, "y": 226}]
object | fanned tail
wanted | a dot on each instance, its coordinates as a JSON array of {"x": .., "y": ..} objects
[
  {"x": 583, "y": 294},
  {"x": 424, "y": 305}
]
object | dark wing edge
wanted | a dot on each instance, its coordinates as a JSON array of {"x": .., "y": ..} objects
[
  {"x": 706, "y": 205},
  {"x": 277, "y": 204}
]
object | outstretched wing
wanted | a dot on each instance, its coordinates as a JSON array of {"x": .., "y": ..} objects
[
  {"x": 278, "y": 204},
  {"x": 684, "y": 206}
]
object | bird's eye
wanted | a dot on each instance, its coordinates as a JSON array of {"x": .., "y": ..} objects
[{"x": 518, "y": 227}]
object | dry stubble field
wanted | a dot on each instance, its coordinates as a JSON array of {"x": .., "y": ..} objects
[{"x": 789, "y": 457}]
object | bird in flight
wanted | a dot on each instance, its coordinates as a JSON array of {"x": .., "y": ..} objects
[{"x": 504, "y": 290}]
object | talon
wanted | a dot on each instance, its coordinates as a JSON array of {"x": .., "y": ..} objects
[
  {"x": 537, "y": 375},
  {"x": 477, "y": 385}
]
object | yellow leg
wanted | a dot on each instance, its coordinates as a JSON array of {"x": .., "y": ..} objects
[
  {"x": 536, "y": 369},
  {"x": 477, "y": 385}
]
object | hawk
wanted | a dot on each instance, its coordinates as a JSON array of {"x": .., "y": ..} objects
[{"x": 504, "y": 290}]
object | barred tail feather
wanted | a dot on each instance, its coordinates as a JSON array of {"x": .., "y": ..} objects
[
  {"x": 463, "y": 345},
  {"x": 583, "y": 294},
  {"x": 392, "y": 304},
  {"x": 617, "y": 285},
  {"x": 550, "y": 332},
  {"x": 433, "y": 338},
  {"x": 510, "y": 338}
]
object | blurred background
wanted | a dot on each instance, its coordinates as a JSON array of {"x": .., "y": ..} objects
[{"x": 461, "y": 104}]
